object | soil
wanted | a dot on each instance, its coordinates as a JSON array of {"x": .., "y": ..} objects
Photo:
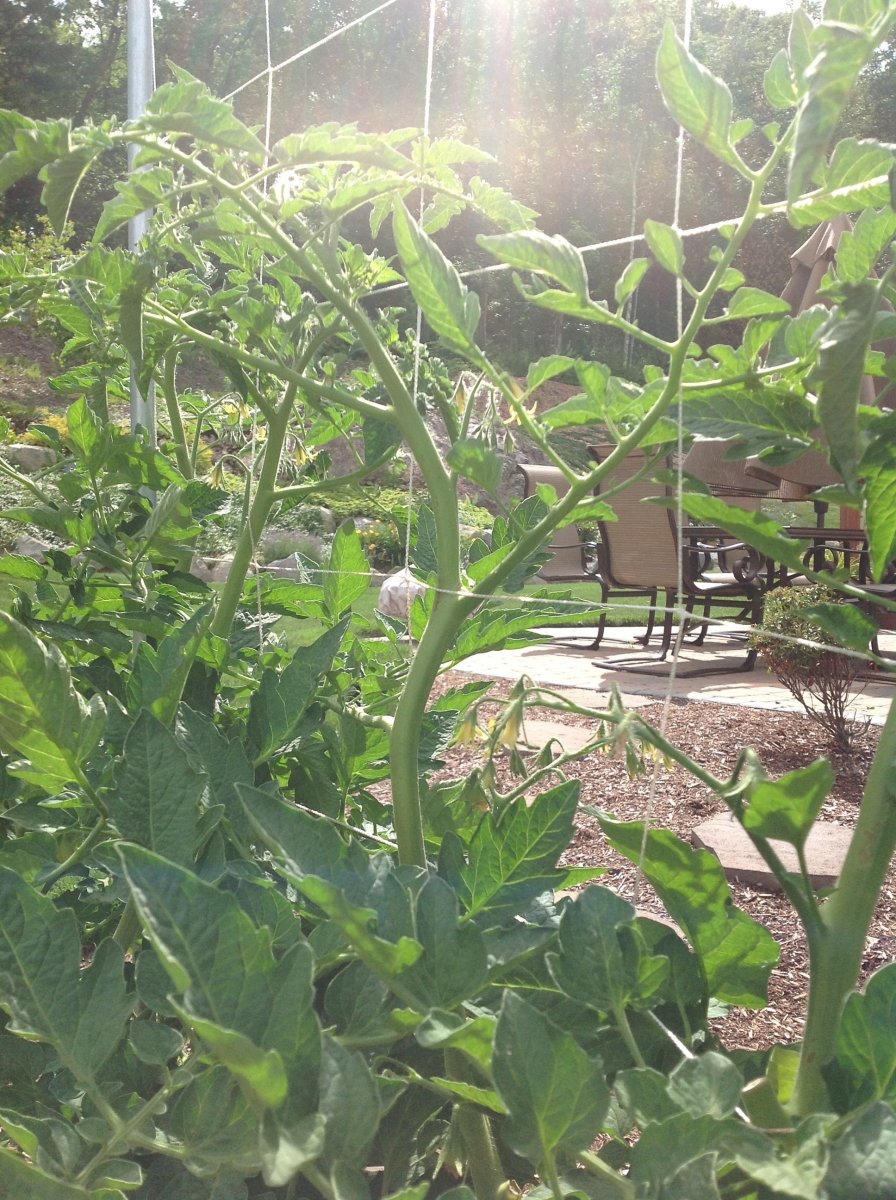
[{"x": 714, "y": 735}]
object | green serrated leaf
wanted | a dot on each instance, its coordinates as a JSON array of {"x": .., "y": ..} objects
[
  {"x": 779, "y": 84},
  {"x": 349, "y": 1104},
  {"x": 532, "y": 250},
  {"x": 20, "y": 1178},
  {"x": 753, "y": 302},
  {"x": 666, "y": 246},
  {"x": 864, "y": 1066},
  {"x": 254, "y": 1012},
  {"x": 844, "y": 341},
  {"x": 736, "y": 952},
  {"x": 786, "y": 808},
  {"x": 628, "y": 281},
  {"x": 452, "y": 966},
  {"x": 348, "y": 572},
  {"x": 590, "y": 966},
  {"x": 840, "y": 53},
  {"x": 695, "y": 97},
  {"x": 547, "y": 368},
  {"x": 512, "y": 860},
  {"x": 879, "y": 470},
  {"x": 81, "y": 1014},
  {"x": 155, "y": 798},
  {"x": 863, "y": 1160},
  {"x": 475, "y": 459},
  {"x": 451, "y": 309},
  {"x": 709, "y": 1085},
  {"x": 555, "y": 1095},
  {"x": 43, "y": 718},
  {"x": 280, "y": 702}
]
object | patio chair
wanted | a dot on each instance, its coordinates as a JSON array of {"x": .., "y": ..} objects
[
  {"x": 572, "y": 560},
  {"x": 642, "y": 549},
  {"x": 575, "y": 561}
]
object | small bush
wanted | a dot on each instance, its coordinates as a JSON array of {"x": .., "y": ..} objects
[{"x": 822, "y": 680}]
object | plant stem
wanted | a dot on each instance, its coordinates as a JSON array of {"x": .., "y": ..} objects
[
  {"x": 258, "y": 511},
  {"x": 129, "y": 926},
  {"x": 482, "y": 1155},
  {"x": 178, "y": 434},
  {"x": 77, "y": 854},
  {"x": 611, "y": 1179},
  {"x": 836, "y": 947}
]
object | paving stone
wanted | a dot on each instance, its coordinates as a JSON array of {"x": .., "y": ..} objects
[
  {"x": 570, "y": 737},
  {"x": 825, "y": 850}
]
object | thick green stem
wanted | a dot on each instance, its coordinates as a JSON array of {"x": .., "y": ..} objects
[
  {"x": 835, "y": 950},
  {"x": 486, "y": 1171},
  {"x": 178, "y": 433},
  {"x": 253, "y": 527},
  {"x": 441, "y": 629}
]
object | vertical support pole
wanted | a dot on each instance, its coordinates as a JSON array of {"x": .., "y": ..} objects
[{"x": 141, "y": 85}]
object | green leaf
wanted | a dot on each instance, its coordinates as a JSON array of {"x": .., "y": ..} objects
[
  {"x": 755, "y": 529},
  {"x": 440, "y": 1030},
  {"x": 786, "y": 808},
  {"x": 532, "y": 250},
  {"x": 694, "y": 96},
  {"x": 89, "y": 437},
  {"x": 863, "y": 1160},
  {"x": 349, "y": 1104},
  {"x": 212, "y": 1121},
  {"x": 841, "y": 51},
  {"x": 63, "y": 176},
  {"x": 451, "y": 309},
  {"x": 348, "y": 572},
  {"x": 591, "y": 967},
  {"x": 425, "y": 550},
  {"x": 155, "y": 798},
  {"x": 453, "y": 965},
  {"x": 186, "y": 106},
  {"x": 154, "y": 1042},
  {"x": 254, "y": 1012},
  {"x": 81, "y": 1014},
  {"x": 282, "y": 698},
  {"x": 780, "y": 87},
  {"x": 709, "y": 1085},
  {"x": 859, "y": 248},
  {"x": 846, "y": 624},
  {"x": 644, "y": 1096},
  {"x": 547, "y": 368},
  {"x": 222, "y": 760},
  {"x": 512, "y": 860},
  {"x": 753, "y": 302},
  {"x": 864, "y": 1067},
  {"x": 628, "y": 281},
  {"x": 844, "y": 341},
  {"x": 574, "y": 412},
  {"x": 18, "y": 566},
  {"x": 27, "y": 145},
  {"x": 737, "y": 953},
  {"x": 42, "y": 716},
  {"x": 388, "y": 959},
  {"x": 554, "y": 1093},
  {"x": 160, "y": 672},
  {"x": 19, "y": 1178},
  {"x": 666, "y": 246},
  {"x": 879, "y": 470},
  {"x": 475, "y": 459}
]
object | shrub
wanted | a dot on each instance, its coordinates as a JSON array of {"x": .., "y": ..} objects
[{"x": 821, "y": 679}]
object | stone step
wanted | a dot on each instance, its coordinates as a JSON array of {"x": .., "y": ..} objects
[{"x": 825, "y": 850}]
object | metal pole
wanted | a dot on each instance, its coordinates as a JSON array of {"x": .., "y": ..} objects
[{"x": 141, "y": 85}]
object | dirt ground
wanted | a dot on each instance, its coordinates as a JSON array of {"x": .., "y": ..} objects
[{"x": 714, "y": 735}]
